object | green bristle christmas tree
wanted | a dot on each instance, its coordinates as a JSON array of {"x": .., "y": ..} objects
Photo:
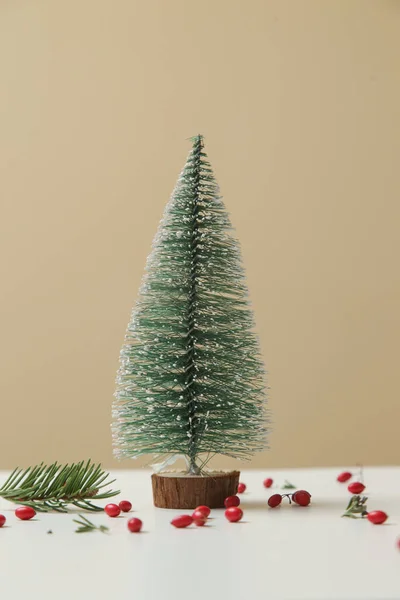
[{"x": 191, "y": 378}]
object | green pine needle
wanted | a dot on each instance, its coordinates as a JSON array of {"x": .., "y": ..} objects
[
  {"x": 85, "y": 526},
  {"x": 288, "y": 486},
  {"x": 54, "y": 487}
]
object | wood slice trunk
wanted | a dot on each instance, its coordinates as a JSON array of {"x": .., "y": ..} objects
[{"x": 189, "y": 491}]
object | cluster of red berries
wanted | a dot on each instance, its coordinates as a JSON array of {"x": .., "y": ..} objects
[
  {"x": 357, "y": 487},
  {"x": 233, "y": 513},
  {"x": 114, "y": 510},
  {"x": 300, "y": 497},
  {"x": 377, "y": 517},
  {"x": 25, "y": 513},
  {"x": 198, "y": 517}
]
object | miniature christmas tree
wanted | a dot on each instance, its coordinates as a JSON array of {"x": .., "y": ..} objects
[{"x": 191, "y": 379}]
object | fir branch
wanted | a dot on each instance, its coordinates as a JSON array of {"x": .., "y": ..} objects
[
  {"x": 54, "y": 487},
  {"x": 86, "y": 526}
]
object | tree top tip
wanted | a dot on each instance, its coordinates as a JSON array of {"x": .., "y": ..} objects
[{"x": 197, "y": 139}]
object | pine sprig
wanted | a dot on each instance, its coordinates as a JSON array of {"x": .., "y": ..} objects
[
  {"x": 86, "y": 525},
  {"x": 288, "y": 486},
  {"x": 54, "y": 487},
  {"x": 356, "y": 508}
]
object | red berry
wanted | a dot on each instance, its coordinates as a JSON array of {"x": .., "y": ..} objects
[
  {"x": 233, "y": 514},
  {"x": 274, "y": 500},
  {"x": 377, "y": 517},
  {"x": 398, "y": 543},
  {"x": 301, "y": 497},
  {"x": 125, "y": 505},
  {"x": 182, "y": 521},
  {"x": 113, "y": 510},
  {"x": 25, "y": 513},
  {"x": 200, "y": 522},
  {"x": 268, "y": 482},
  {"x": 199, "y": 515},
  {"x": 204, "y": 509},
  {"x": 356, "y": 487},
  {"x": 231, "y": 501},
  {"x": 135, "y": 525},
  {"x": 345, "y": 476},
  {"x": 2, "y": 520},
  {"x": 241, "y": 488}
]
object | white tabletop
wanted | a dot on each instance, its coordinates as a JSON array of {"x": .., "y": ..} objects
[{"x": 289, "y": 553}]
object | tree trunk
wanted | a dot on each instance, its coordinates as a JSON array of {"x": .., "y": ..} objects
[{"x": 172, "y": 490}]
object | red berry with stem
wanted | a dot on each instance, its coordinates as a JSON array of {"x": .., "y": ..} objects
[
  {"x": 268, "y": 482},
  {"x": 182, "y": 521},
  {"x": 204, "y": 509},
  {"x": 241, "y": 488},
  {"x": 274, "y": 500},
  {"x": 125, "y": 505},
  {"x": 345, "y": 476},
  {"x": 377, "y": 517},
  {"x": 135, "y": 525},
  {"x": 231, "y": 501},
  {"x": 25, "y": 513},
  {"x": 356, "y": 487},
  {"x": 233, "y": 514},
  {"x": 112, "y": 510},
  {"x": 2, "y": 520},
  {"x": 301, "y": 497}
]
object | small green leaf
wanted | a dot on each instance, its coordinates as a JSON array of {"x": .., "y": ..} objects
[
  {"x": 288, "y": 486},
  {"x": 356, "y": 506}
]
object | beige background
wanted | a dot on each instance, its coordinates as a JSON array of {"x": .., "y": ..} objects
[{"x": 299, "y": 103}]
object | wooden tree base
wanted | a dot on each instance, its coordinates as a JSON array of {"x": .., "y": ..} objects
[{"x": 172, "y": 490}]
